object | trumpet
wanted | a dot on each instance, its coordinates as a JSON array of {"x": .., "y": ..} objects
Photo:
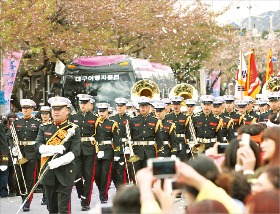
[
  {"x": 197, "y": 147},
  {"x": 19, "y": 159},
  {"x": 133, "y": 157}
]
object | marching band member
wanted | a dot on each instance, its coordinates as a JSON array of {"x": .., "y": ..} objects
[
  {"x": 168, "y": 106},
  {"x": 238, "y": 119},
  {"x": 107, "y": 137},
  {"x": 274, "y": 103},
  {"x": 250, "y": 106},
  {"x": 86, "y": 120},
  {"x": 208, "y": 127},
  {"x": 59, "y": 180},
  {"x": 26, "y": 130},
  {"x": 181, "y": 121},
  {"x": 167, "y": 131},
  {"x": 227, "y": 128},
  {"x": 145, "y": 134},
  {"x": 190, "y": 104},
  {"x": 242, "y": 109},
  {"x": 118, "y": 167}
]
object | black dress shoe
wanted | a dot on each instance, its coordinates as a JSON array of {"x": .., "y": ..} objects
[
  {"x": 103, "y": 202},
  {"x": 26, "y": 209},
  {"x": 43, "y": 202},
  {"x": 12, "y": 194},
  {"x": 85, "y": 208}
]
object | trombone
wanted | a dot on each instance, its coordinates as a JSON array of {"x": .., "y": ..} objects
[
  {"x": 197, "y": 147},
  {"x": 19, "y": 160}
]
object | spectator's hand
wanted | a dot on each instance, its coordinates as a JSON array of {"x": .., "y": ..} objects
[
  {"x": 212, "y": 151},
  {"x": 245, "y": 157},
  {"x": 145, "y": 178},
  {"x": 3, "y": 168}
]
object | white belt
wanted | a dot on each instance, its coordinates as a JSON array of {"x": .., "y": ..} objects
[
  {"x": 123, "y": 139},
  {"x": 144, "y": 143},
  {"x": 165, "y": 142},
  {"x": 235, "y": 134},
  {"x": 26, "y": 143},
  {"x": 205, "y": 140},
  {"x": 180, "y": 135},
  {"x": 105, "y": 142},
  {"x": 224, "y": 139},
  {"x": 87, "y": 139}
]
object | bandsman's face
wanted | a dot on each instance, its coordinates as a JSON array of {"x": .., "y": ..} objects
[
  {"x": 85, "y": 106},
  {"x": 206, "y": 108},
  {"x": 60, "y": 114},
  {"x": 160, "y": 113},
  {"x": 229, "y": 106},
  {"x": 190, "y": 109},
  {"x": 144, "y": 109},
  {"x": 103, "y": 114},
  {"x": 274, "y": 105},
  {"x": 176, "y": 108},
  {"x": 217, "y": 110},
  {"x": 26, "y": 111},
  {"x": 121, "y": 109},
  {"x": 45, "y": 117}
]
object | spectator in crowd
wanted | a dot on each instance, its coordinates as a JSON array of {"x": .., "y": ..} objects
[
  {"x": 270, "y": 146},
  {"x": 207, "y": 206},
  {"x": 263, "y": 202},
  {"x": 254, "y": 130},
  {"x": 268, "y": 180},
  {"x": 240, "y": 157},
  {"x": 127, "y": 200}
]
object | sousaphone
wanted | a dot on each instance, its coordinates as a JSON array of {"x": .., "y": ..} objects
[
  {"x": 146, "y": 88},
  {"x": 184, "y": 90}
]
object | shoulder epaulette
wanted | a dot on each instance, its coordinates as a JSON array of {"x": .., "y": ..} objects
[
  {"x": 220, "y": 124},
  {"x": 173, "y": 127},
  {"x": 216, "y": 116},
  {"x": 37, "y": 119},
  {"x": 197, "y": 114},
  {"x": 230, "y": 122},
  {"x": 158, "y": 125}
]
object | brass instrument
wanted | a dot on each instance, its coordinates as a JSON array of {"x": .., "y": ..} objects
[
  {"x": 20, "y": 159},
  {"x": 197, "y": 147},
  {"x": 184, "y": 90},
  {"x": 273, "y": 84},
  {"x": 146, "y": 88},
  {"x": 133, "y": 157}
]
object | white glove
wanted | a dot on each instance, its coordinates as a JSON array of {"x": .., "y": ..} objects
[
  {"x": 49, "y": 150},
  {"x": 173, "y": 157},
  {"x": 100, "y": 154},
  {"x": 15, "y": 151},
  {"x": 61, "y": 161},
  {"x": 3, "y": 167},
  {"x": 117, "y": 158},
  {"x": 126, "y": 151}
]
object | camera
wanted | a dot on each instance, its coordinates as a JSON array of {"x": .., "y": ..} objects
[
  {"x": 163, "y": 168},
  {"x": 176, "y": 186},
  {"x": 222, "y": 148}
]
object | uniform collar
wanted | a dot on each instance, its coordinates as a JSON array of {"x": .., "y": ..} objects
[{"x": 60, "y": 123}]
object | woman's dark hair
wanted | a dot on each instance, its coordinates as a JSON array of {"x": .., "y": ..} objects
[
  {"x": 235, "y": 184},
  {"x": 231, "y": 154},
  {"x": 207, "y": 206},
  {"x": 206, "y": 167},
  {"x": 127, "y": 200},
  {"x": 273, "y": 133}
]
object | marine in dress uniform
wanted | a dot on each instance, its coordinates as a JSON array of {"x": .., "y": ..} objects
[
  {"x": 86, "y": 120},
  {"x": 4, "y": 158},
  {"x": 107, "y": 138},
  {"x": 59, "y": 180},
  {"x": 242, "y": 109},
  {"x": 227, "y": 128},
  {"x": 168, "y": 106},
  {"x": 208, "y": 127},
  {"x": 182, "y": 131},
  {"x": 190, "y": 104},
  {"x": 145, "y": 134},
  {"x": 167, "y": 131},
  {"x": 274, "y": 103},
  {"x": 27, "y": 129},
  {"x": 122, "y": 118},
  {"x": 250, "y": 107},
  {"x": 238, "y": 119}
]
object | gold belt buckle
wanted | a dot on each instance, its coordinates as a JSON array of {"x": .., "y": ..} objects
[{"x": 204, "y": 140}]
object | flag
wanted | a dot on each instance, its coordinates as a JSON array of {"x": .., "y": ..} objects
[
  {"x": 10, "y": 67},
  {"x": 253, "y": 85},
  {"x": 269, "y": 67},
  {"x": 241, "y": 75}
]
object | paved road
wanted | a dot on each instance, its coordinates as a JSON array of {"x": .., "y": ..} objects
[{"x": 11, "y": 205}]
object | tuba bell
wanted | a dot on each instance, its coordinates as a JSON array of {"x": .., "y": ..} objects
[
  {"x": 273, "y": 84},
  {"x": 184, "y": 90},
  {"x": 146, "y": 88}
]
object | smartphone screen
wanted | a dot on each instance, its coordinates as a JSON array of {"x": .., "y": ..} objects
[
  {"x": 222, "y": 148},
  {"x": 164, "y": 169}
]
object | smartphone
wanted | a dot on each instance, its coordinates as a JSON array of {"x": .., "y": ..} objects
[
  {"x": 163, "y": 168},
  {"x": 222, "y": 148},
  {"x": 245, "y": 139}
]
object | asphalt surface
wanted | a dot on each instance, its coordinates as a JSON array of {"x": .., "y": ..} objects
[{"x": 10, "y": 205}]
